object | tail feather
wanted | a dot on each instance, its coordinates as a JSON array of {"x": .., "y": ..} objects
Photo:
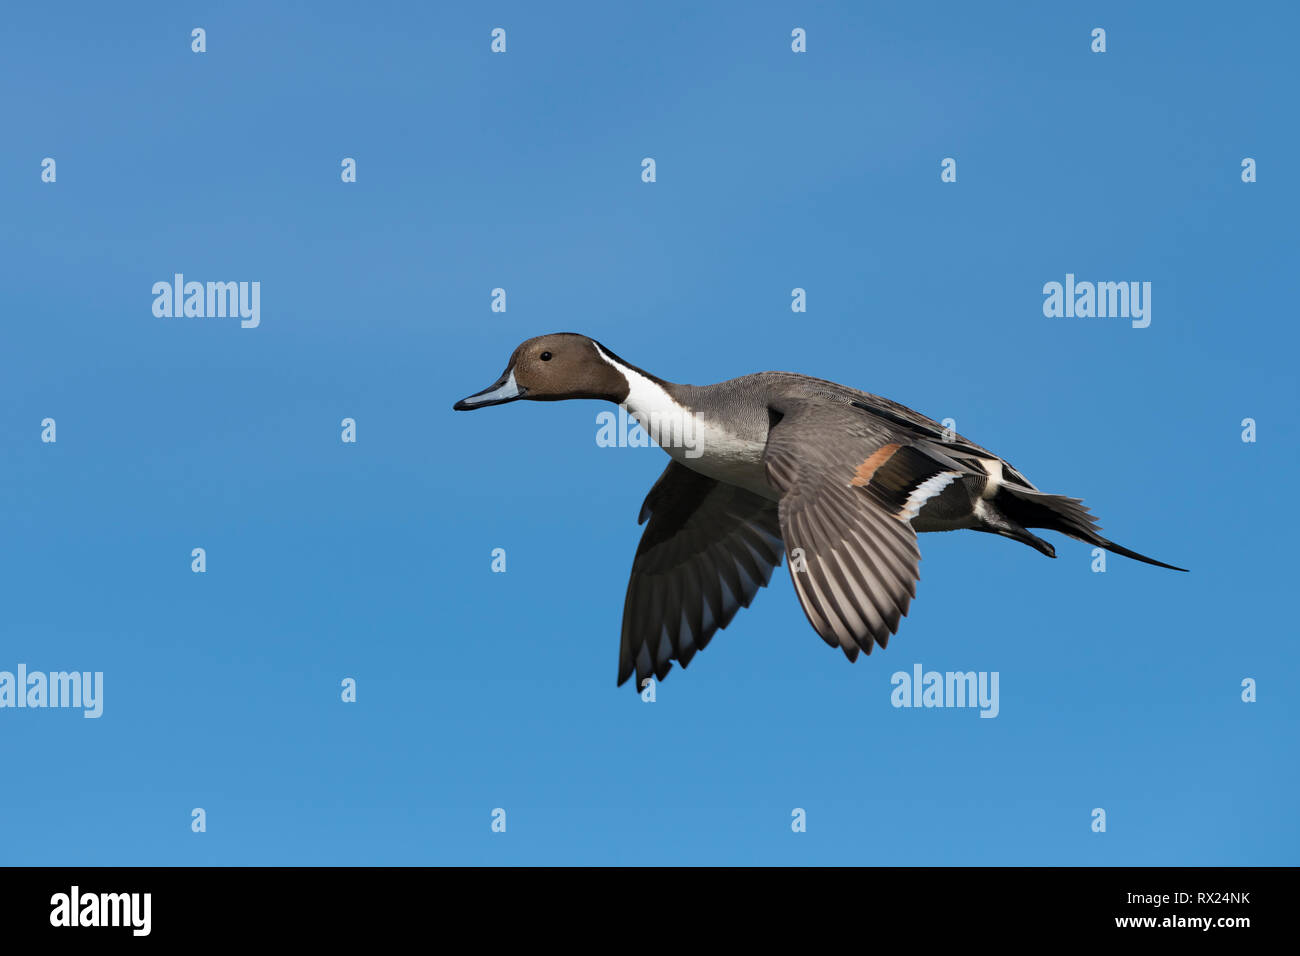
[{"x": 1033, "y": 509}]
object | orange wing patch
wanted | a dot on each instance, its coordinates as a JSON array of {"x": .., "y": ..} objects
[{"x": 868, "y": 467}]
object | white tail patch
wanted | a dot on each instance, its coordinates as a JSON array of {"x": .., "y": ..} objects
[{"x": 994, "y": 468}]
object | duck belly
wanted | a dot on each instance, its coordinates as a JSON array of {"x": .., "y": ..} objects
[{"x": 728, "y": 458}]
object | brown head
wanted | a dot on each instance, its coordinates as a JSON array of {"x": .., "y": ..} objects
[{"x": 553, "y": 367}]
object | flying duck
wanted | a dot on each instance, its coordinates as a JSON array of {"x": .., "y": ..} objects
[{"x": 839, "y": 480}]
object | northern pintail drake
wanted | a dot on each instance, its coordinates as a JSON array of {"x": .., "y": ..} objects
[{"x": 838, "y": 479}]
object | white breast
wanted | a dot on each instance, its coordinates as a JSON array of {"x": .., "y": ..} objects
[
  {"x": 693, "y": 440},
  {"x": 729, "y": 458}
]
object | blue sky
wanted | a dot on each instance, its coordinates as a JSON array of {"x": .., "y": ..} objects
[{"x": 775, "y": 170}]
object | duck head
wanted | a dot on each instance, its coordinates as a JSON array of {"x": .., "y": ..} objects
[{"x": 551, "y": 368}]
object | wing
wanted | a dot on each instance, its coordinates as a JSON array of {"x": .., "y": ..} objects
[
  {"x": 844, "y": 512},
  {"x": 707, "y": 550},
  {"x": 937, "y": 441}
]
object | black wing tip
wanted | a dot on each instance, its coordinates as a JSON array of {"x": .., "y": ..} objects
[{"x": 639, "y": 686}]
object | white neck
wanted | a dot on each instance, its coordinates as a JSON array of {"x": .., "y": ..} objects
[
  {"x": 691, "y": 439},
  {"x": 645, "y": 397}
]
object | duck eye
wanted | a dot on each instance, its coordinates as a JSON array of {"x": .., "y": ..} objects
[{"x": 546, "y": 356}]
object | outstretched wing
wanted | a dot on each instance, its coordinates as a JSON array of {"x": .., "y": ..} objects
[
  {"x": 707, "y": 550},
  {"x": 844, "y": 511}
]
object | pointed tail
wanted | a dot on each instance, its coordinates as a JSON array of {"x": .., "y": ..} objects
[{"x": 1033, "y": 509}]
